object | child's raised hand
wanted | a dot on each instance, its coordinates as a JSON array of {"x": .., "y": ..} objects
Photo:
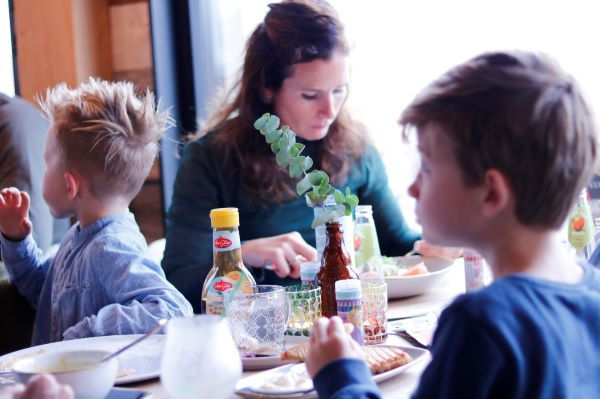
[
  {"x": 14, "y": 210},
  {"x": 328, "y": 342}
]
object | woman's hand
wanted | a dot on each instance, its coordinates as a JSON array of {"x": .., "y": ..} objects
[
  {"x": 42, "y": 386},
  {"x": 329, "y": 342},
  {"x": 284, "y": 252}
]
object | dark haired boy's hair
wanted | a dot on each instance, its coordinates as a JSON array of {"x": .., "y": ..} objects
[{"x": 519, "y": 113}]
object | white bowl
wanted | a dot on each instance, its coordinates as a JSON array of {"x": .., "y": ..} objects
[
  {"x": 80, "y": 369},
  {"x": 400, "y": 287}
]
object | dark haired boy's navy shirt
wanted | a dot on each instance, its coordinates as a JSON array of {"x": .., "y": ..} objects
[{"x": 521, "y": 337}]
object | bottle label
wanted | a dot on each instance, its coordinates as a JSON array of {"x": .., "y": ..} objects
[
  {"x": 474, "y": 277},
  {"x": 580, "y": 227},
  {"x": 350, "y": 311},
  {"x": 225, "y": 241},
  {"x": 236, "y": 281}
]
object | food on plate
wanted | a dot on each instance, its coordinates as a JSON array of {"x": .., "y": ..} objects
[
  {"x": 125, "y": 372},
  {"x": 379, "y": 358},
  {"x": 433, "y": 251},
  {"x": 392, "y": 269},
  {"x": 416, "y": 270},
  {"x": 295, "y": 379}
]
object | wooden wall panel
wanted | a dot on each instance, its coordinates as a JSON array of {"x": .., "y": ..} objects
[
  {"x": 44, "y": 44},
  {"x": 71, "y": 40},
  {"x": 93, "y": 50},
  {"x": 132, "y": 61}
]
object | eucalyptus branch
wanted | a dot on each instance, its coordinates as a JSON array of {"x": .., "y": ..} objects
[{"x": 315, "y": 184}]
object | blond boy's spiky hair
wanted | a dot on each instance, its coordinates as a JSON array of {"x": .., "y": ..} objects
[{"x": 106, "y": 133}]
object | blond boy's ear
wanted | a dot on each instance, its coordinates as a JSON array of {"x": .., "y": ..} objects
[
  {"x": 497, "y": 195},
  {"x": 74, "y": 184}
]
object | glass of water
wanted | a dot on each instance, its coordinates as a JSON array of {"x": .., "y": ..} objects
[
  {"x": 258, "y": 321},
  {"x": 200, "y": 359}
]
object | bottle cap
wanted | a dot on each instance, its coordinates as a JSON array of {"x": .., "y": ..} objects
[
  {"x": 348, "y": 289},
  {"x": 224, "y": 217},
  {"x": 308, "y": 270}
]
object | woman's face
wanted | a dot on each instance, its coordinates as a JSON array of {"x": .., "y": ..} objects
[{"x": 311, "y": 98}]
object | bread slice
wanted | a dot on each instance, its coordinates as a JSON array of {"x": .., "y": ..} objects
[
  {"x": 298, "y": 352},
  {"x": 379, "y": 358}
]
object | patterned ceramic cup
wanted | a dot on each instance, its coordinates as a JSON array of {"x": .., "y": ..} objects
[{"x": 305, "y": 308}]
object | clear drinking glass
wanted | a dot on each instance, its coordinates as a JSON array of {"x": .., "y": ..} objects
[
  {"x": 200, "y": 358},
  {"x": 258, "y": 321}
]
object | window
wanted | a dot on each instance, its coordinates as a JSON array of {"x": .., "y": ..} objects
[
  {"x": 7, "y": 81},
  {"x": 399, "y": 47}
]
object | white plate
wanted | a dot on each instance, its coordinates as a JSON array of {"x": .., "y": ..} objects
[
  {"x": 265, "y": 362},
  {"x": 141, "y": 362},
  {"x": 248, "y": 387},
  {"x": 400, "y": 287}
]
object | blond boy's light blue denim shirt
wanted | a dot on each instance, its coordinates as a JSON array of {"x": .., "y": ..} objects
[{"x": 100, "y": 282}]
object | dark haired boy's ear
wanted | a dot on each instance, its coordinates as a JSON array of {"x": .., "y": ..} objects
[
  {"x": 497, "y": 193},
  {"x": 73, "y": 182}
]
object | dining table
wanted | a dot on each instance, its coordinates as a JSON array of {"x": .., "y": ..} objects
[{"x": 402, "y": 385}]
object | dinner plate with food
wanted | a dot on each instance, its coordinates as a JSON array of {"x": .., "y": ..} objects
[
  {"x": 264, "y": 358},
  {"x": 415, "y": 274},
  {"x": 141, "y": 362},
  {"x": 292, "y": 380}
]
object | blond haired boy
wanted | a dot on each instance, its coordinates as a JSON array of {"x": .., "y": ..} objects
[
  {"x": 507, "y": 142},
  {"x": 100, "y": 146}
]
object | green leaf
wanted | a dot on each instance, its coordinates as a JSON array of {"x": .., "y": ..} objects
[
  {"x": 348, "y": 210},
  {"x": 352, "y": 200},
  {"x": 273, "y": 136},
  {"x": 348, "y": 191},
  {"x": 299, "y": 147},
  {"x": 321, "y": 219},
  {"x": 308, "y": 163},
  {"x": 272, "y": 124},
  {"x": 303, "y": 185},
  {"x": 312, "y": 196},
  {"x": 283, "y": 143},
  {"x": 283, "y": 157},
  {"x": 275, "y": 148},
  {"x": 339, "y": 197},
  {"x": 294, "y": 151},
  {"x": 261, "y": 122},
  {"x": 316, "y": 177},
  {"x": 324, "y": 189},
  {"x": 296, "y": 167}
]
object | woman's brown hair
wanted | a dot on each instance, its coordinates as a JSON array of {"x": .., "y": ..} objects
[{"x": 292, "y": 32}]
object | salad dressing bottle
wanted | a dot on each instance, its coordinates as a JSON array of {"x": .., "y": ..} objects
[{"x": 228, "y": 271}]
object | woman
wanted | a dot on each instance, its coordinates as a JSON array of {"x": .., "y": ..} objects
[{"x": 296, "y": 66}]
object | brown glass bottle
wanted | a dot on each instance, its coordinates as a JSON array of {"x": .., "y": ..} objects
[{"x": 335, "y": 265}]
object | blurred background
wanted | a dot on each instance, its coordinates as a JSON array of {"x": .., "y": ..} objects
[{"x": 190, "y": 50}]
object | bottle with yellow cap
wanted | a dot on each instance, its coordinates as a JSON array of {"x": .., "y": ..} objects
[{"x": 228, "y": 271}]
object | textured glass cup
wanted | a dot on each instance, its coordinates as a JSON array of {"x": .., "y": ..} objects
[
  {"x": 374, "y": 297},
  {"x": 258, "y": 321},
  {"x": 305, "y": 308},
  {"x": 200, "y": 359}
]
